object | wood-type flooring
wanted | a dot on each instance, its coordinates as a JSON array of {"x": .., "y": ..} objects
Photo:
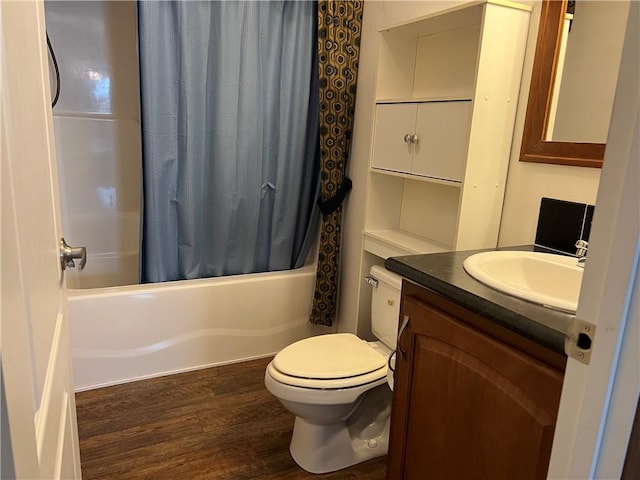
[{"x": 217, "y": 423}]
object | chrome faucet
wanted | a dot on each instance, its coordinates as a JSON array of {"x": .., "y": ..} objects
[{"x": 581, "y": 252}]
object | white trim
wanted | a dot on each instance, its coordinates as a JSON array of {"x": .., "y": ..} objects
[
  {"x": 622, "y": 405},
  {"x": 48, "y": 389},
  {"x": 62, "y": 430}
]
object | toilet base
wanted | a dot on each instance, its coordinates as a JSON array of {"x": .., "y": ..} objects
[{"x": 327, "y": 448}]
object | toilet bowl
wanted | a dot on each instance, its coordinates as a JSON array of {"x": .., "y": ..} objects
[{"x": 336, "y": 386}]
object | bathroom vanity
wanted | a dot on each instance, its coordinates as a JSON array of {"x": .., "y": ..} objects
[{"x": 478, "y": 376}]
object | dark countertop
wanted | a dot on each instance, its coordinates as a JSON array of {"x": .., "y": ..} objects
[{"x": 443, "y": 273}]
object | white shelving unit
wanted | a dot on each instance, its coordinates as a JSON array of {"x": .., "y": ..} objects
[{"x": 446, "y": 92}]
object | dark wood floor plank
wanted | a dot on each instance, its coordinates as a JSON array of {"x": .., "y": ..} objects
[
  {"x": 104, "y": 446},
  {"x": 230, "y": 461},
  {"x": 254, "y": 409},
  {"x": 123, "y": 415},
  {"x": 218, "y": 423},
  {"x": 118, "y": 401}
]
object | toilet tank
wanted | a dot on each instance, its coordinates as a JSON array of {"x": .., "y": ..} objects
[{"x": 385, "y": 305}]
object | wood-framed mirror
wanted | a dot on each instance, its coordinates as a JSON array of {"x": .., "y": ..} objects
[{"x": 544, "y": 140}]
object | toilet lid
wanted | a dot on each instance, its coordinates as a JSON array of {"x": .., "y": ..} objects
[{"x": 333, "y": 356}]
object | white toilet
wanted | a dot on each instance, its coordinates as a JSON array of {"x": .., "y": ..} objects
[{"x": 336, "y": 386}]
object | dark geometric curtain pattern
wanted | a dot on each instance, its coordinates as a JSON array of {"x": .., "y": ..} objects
[{"x": 339, "y": 30}]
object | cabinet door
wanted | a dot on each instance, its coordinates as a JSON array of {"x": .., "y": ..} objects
[
  {"x": 443, "y": 138},
  {"x": 393, "y": 122},
  {"x": 467, "y": 405}
]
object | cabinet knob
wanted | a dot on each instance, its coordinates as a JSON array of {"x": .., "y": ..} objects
[{"x": 411, "y": 138}]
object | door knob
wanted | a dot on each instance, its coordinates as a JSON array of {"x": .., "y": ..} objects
[{"x": 68, "y": 255}]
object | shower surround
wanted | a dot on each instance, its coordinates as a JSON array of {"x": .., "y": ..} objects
[{"x": 97, "y": 133}]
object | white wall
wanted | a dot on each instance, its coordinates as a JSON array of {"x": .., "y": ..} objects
[{"x": 97, "y": 129}]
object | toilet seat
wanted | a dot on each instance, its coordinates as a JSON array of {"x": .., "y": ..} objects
[
  {"x": 329, "y": 362},
  {"x": 327, "y": 384}
]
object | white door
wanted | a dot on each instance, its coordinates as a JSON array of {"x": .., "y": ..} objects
[
  {"x": 37, "y": 378},
  {"x": 599, "y": 400}
]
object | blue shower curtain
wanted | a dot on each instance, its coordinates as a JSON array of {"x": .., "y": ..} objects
[{"x": 230, "y": 136}]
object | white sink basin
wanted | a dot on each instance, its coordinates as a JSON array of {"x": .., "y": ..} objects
[{"x": 550, "y": 280}]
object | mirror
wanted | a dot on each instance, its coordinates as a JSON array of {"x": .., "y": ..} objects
[{"x": 573, "y": 82}]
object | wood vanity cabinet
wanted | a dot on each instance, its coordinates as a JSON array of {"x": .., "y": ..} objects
[{"x": 472, "y": 400}]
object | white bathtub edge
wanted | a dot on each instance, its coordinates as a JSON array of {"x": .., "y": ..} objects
[{"x": 85, "y": 388}]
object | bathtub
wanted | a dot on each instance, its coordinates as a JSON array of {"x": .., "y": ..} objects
[{"x": 128, "y": 333}]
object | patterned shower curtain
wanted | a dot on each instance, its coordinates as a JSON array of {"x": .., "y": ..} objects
[{"x": 339, "y": 30}]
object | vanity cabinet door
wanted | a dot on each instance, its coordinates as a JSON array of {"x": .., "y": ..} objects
[
  {"x": 393, "y": 123},
  {"x": 467, "y": 405}
]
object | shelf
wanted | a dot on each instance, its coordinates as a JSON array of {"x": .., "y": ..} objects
[
  {"x": 439, "y": 98},
  {"x": 451, "y": 18},
  {"x": 459, "y": 16},
  {"x": 413, "y": 176},
  {"x": 394, "y": 243}
]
